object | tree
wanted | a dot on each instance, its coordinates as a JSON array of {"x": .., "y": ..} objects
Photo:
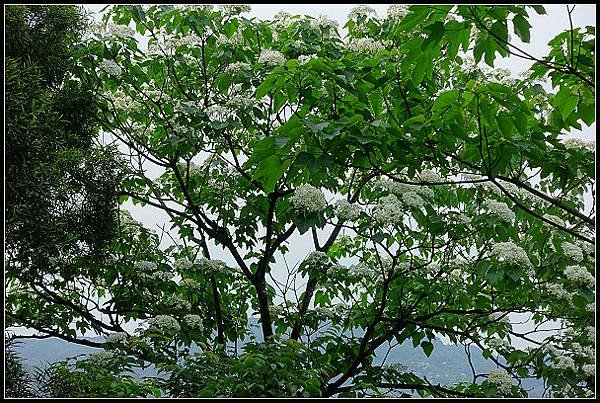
[
  {"x": 453, "y": 203},
  {"x": 60, "y": 184}
]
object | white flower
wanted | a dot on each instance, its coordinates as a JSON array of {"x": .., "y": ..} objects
[
  {"x": 509, "y": 253},
  {"x": 558, "y": 291},
  {"x": 212, "y": 265},
  {"x": 165, "y": 322},
  {"x": 591, "y": 332},
  {"x": 193, "y": 321},
  {"x": 360, "y": 270},
  {"x": 365, "y": 45},
  {"x": 317, "y": 260},
  {"x": 428, "y": 175},
  {"x": 271, "y": 57},
  {"x": 323, "y": 23},
  {"x": 122, "y": 31},
  {"x": 591, "y": 307},
  {"x": 183, "y": 264},
  {"x": 218, "y": 113},
  {"x": 234, "y": 9},
  {"x": 564, "y": 362},
  {"x": 572, "y": 251},
  {"x": 237, "y": 67},
  {"x": 189, "y": 283},
  {"x": 580, "y": 275},
  {"x": 303, "y": 59},
  {"x": 324, "y": 312},
  {"x": 275, "y": 310},
  {"x": 282, "y": 20},
  {"x": 500, "y": 209},
  {"x": 111, "y": 67},
  {"x": 199, "y": 7},
  {"x": 362, "y": 11},
  {"x": 501, "y": 379},
  {"x": 145, "y": 266},
  {"x": 179, "y": 303},
  {"x": 463, "y": 219},
  {"x": 101, "y": 359},
  {"x": 241, "y": 102},
  {"x": 308, "y": 198},
  {"x": 412, "y": 199},
  {"x": 389, "y": 211},
  {"x": 237, "y": 39},
  {"x": 589, "y": 369},
  {"x": 397, "y": 11},
  {"x": 498, "y": 344},
  {"x": 580, "y": 144},
  {"x": 119, "y": 337},
  {"x": 345, "y": 210},
  {"x": 555, "y": 219}
]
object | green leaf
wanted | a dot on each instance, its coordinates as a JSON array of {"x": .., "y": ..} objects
[
  {"x": 505, "y": 124},
  {"x": 427, "y": 347},
  {"x": 521, "y": 28}
]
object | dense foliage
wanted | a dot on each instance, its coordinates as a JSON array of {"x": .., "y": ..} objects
[
  {"x": 60, "y": 184},
  {"x": 439, "y": 195}
]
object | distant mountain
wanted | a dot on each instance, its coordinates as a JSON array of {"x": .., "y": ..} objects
[{"x": 446, "y": 365}]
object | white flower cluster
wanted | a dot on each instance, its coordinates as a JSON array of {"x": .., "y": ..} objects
[
  {"x": 360, "y": 270},
  {"x": 412, "y": 199},
  {"x": 317, "y": 260},
  {"x": 500, "y": 209},
  {"x": 236, "y": 40},
  {"x": 509, "y": 253},
  {"x": 282, "y": 20},
  {"x": 212, "y": 265},
  {"x": 501, "y": 379},
  {"x": 323, "y": 23},
  {"x": 558, "y": 291},
  {"x": 237, "y": 67},
  {"x": 101, "y": 359},
  {"x": 580, "y": 275},
  {"x": 191, "y": 40},
  {"x": 308, "y": 198},
  {"x": 389, "y": 211},
  {"x": 117, "y": 338},
  {"x": 234, "y": 9},
  {"x": 427, "y": 175},
  {"x": 122, "y": 101},
  {"x": 165, "y": 322},
  {"x": 501, "y": 76},
  {"x": 397, "y": 11},
  {"x": 463, "y": 219},
  {"x": 194, "y": 321},
  {"x": 398, "y": 188},
  {"x": 111, "y": 67},
  {"x": 182, "y": 264},
  {"x": 324, "y": 313},
  {"x": 345, "y": 210},
  {"x": 572, "y": 251},
  {"x": 365, "y": 45},
  {"x": 564, "y": 362},
  {"x": 241, "y": 102},
  {"x": 589, "y": 369},
  {"x": 362, "y": 11},
  {"x": 179, "y": 303},
  {"x": 218, "y": 113},
  {"x": 120, "y": 31},
  {"x": 580, "y": 144},
  {"x": 189, "y": 283},
  {"x": 271, "y": 57},
  {"x": 198, "y": 7},
  {"x": 555, "y": 219},
  {"x": 275, "y": 310},
  {"x": 145, "y": 266},
  {"x": 498, "y": 344},
  {"x": 303, "y": 59}
]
